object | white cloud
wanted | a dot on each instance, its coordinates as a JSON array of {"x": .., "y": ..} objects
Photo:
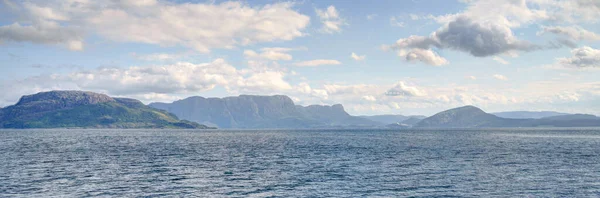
[
  {"x": 472, "y": 77},
  {"x": 484, "y": 28},
  {"x": 571, "y": 32},
  {"x": 159, "y": 56},
  {"x": 332, "y": 22},
  {"x": 369, "y": 98},
  {"x": 179, "y": 78},
  {"x": 500, "y": 60},
  {"x": 263, "y": 82},
  {"x": 305, "y": 88},
  {"x": 224, "y": 25},
  {"x": 423, "y": 55},
  {"x": 335, "y": 89},
  {"x": 318, "y": 62},
  {"x": 500, "y": 77},
  {"x": 44, "y": 12},
  {"x": 583, "y": 57},
  {"x": 269, "y": 54},
  {"x": 357, "y": 57},
  {"x": 401, "y": 89}
]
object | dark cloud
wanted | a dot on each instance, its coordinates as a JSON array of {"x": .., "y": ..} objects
[
  {"x": 464, "y": 34},
  {"x": 478, "y": 39}
]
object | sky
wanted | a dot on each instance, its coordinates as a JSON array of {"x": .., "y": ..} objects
[{"x": 411, "y": 57}]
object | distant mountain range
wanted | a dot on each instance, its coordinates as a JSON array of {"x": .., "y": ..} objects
[
  {"x": 391, "y": 119},
  {"x": 248, "y": 111},
  {"x": 528, "y": 114},
  {"x": 473, "y": 117},
  {"x": 78, "y": 109}
]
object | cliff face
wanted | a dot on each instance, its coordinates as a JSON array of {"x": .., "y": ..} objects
[
  {"x": 247, "y": 111},
  {"x": 59, "y": 109}
]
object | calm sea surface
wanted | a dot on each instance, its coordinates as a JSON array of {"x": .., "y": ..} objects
[{"x": 300, "y": 163}]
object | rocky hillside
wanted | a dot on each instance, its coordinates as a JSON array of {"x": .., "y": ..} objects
[{"x": 79, "y": 109}]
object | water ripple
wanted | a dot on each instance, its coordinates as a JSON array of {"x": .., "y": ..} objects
[{"x": 333, "y": 163}]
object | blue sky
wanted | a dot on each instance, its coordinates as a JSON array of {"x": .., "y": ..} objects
[{"x": 376, "y": 57}]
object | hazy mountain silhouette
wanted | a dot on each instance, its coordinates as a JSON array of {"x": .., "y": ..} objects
[
  {"x": 392, "y": 119},
  {"x": 250, "y": 111},
  {"x": 528, "y": 114}
]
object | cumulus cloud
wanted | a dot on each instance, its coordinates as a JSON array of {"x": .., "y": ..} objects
[
  {"x": 162, "y": 23},
  {"x": 479, "y": 39},
  {"x": 262, "y": 82},
  {"x": 306, "y": 89},
  {"x": 423, "y": 55},
  {"x": 500, "y": 77},
  {"x": 332, "y": 22},
  {"x": 583, "y": 57},
  {"x": 571, "y": 32},
  {"x": 178, "y": 78},
  {"x": 317, "y": 62},
  {"x": 357, "y": 57},
  {"x": 401, "y": 89}
]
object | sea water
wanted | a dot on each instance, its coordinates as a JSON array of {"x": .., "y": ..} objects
[{"x": 300, "y": 163}]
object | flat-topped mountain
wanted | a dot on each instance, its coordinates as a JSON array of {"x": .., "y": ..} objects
[
  {"x": 80, "y": 109},
  {"x": 473, "y": 117},
  {"x": 249, "y": 111}
]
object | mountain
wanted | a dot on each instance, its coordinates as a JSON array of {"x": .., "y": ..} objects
[
  {"x": 528, "y": 114},
  {"x": 473, "y": 117},
  {"x": 468, "y": 117},
  {"x": 389, "y": 119},
  {"x": 250, "y": 111},
  {"x": 79, "y": 109}
]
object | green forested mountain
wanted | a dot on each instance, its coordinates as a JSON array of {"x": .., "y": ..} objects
[{"x": 79, "y": 109}]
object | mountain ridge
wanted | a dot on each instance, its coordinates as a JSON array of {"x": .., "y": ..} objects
[{"x": 255, "y": 111}]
